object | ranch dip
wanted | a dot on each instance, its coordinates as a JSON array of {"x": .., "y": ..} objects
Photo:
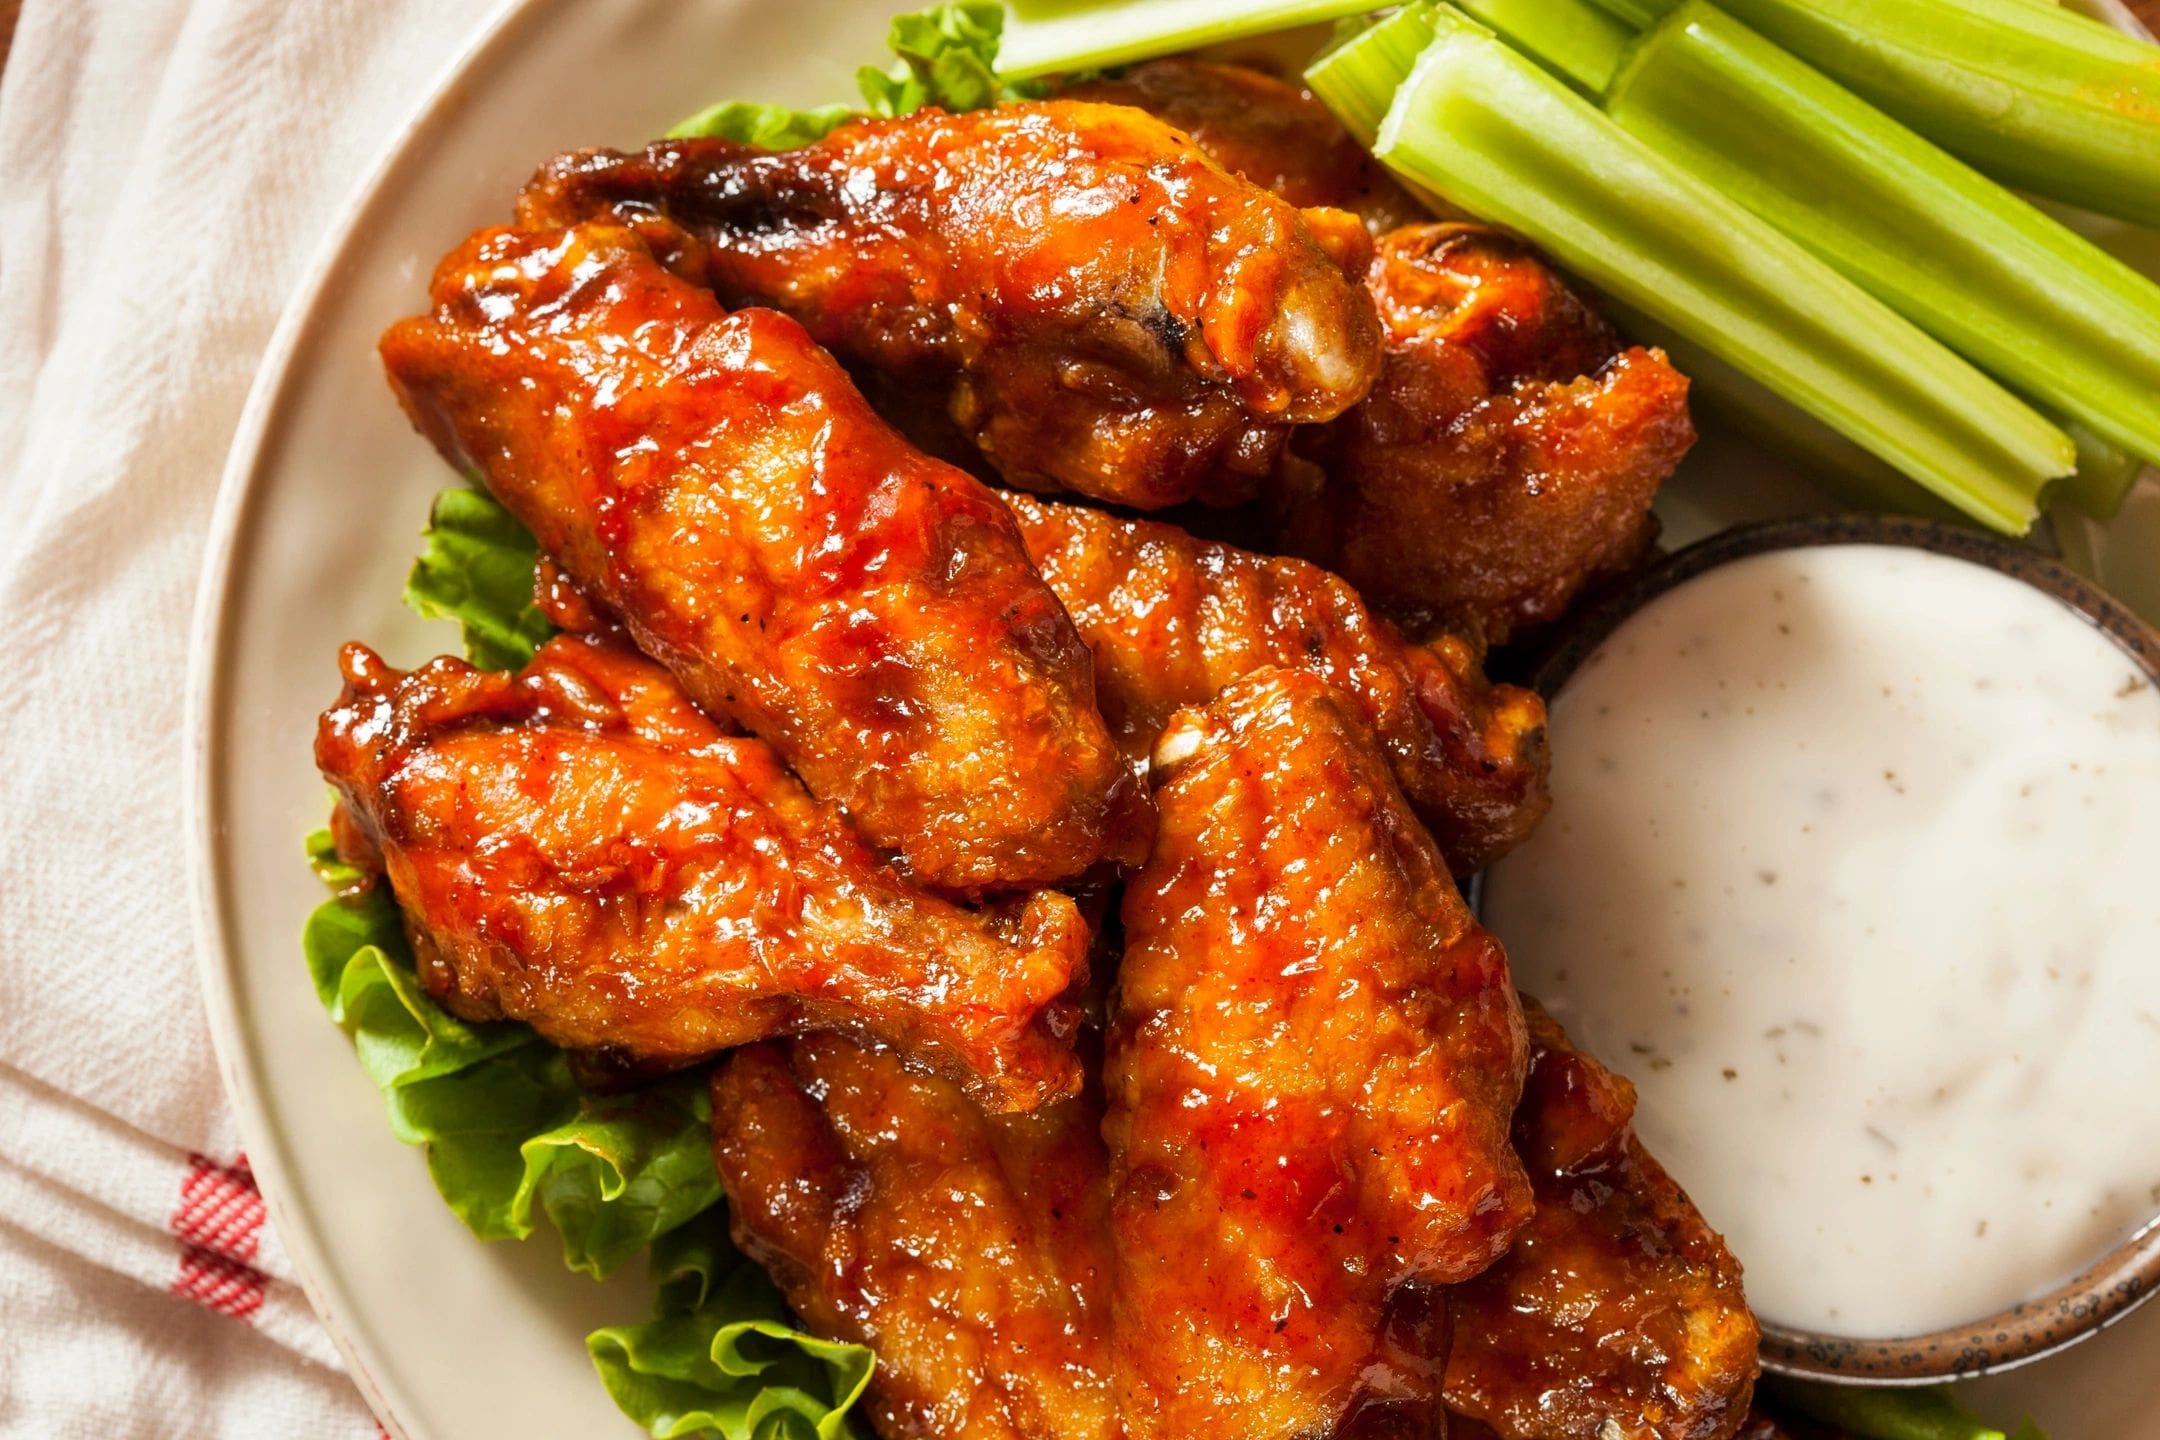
[{"x": 1853, "y": 868}]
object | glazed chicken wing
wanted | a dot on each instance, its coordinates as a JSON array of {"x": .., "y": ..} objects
[
  {"x": 1619, "y": 1313},
  {"x": 1263, "y": 129},
  {"x": 1172, "y": 619},
  {"x": 715, "y": 481},
  {"x": 1509, "y": 453},
  {"x": 1313, "y": 1058},
  {"x": 970, "y": 1251},
  {"x": 1512, "y": 446},
  {"x": 1105, "y": 309},
  {"x": 578, "y": 847}
]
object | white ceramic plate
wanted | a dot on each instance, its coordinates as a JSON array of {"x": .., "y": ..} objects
[{"x": 317, "y": 522}]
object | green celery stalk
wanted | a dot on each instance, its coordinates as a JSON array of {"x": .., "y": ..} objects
[
  {"x": 2038, "y": 96},
  {"x": 1357, "y": 75},
  {"x": 1572, "y": 38},
  {"x": 1495, "y": 134},
  {"x": 2011, "y": 289},
  {"x": 1046, "y": 36}
]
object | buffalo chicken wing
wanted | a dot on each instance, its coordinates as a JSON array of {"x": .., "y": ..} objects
[
  {"x": 1508, "y": 455},
  {"x": 1619, "y": 1313},
  {"x": 1263, "y": 129},
  {"x": 1172, "y": 619},
  {"x": 1104, "y": 308},
  {"x": 577, "y": 847},
  {"x": 717, "y": 483},
  {"x": 1312, "y": 1061},
  {"x": 970, "y": 1251}
]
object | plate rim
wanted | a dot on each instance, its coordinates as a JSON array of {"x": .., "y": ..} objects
[
  {"x": 240, "y": 483},
  {"x": 503, "y": 29}
]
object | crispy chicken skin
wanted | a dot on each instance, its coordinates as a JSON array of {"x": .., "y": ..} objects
[
  {"x": 971, "y": 1251},
  {"x": 577, "y": 847},
  {"x": 1172, "y": 619},
  {"x": 1105, "y": 308},
  {"x": 716, "y": 481},
  {"x": 1508, "y": 454},
  {"x": 1312, "y": 1060},
  {"x": 1263, "y": 129},
  {"x": 1619, "y": 1313}
]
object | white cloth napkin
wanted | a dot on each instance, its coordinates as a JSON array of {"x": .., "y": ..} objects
[{"x": 166, "y": 169}]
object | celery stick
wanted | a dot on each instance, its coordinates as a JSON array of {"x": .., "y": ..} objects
[
  {"x": 1496, "y": 135},
  {"x": 1357, "y": 75},
  {"x": 1043, "y": 36},
  {"x": 2036, "y": 95},
  {"x": 1572, "y": 38},
  {"x": 2019, "y": 294}
]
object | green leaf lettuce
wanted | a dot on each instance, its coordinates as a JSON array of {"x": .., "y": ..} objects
[
  {"x": 505, "y": 1126},
  {"x": 477, "y": 569},
  {"x": 944, "y": 56},
  {"x": 720, "y": 1354}
]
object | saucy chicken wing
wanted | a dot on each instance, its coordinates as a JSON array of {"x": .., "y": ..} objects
[
  {"x": 1172, "y": 619},
  {"x": 576, "y": 846},
  {"x": 1263, "y": 129},
  {"x": 970, "y": 1251},
  {"x": 1619, "y": 1313},
  {"x": 1508, "y": 455},
  {"x": 1511, "y": 448},
  {"x": 1105, "y": 309},
  {"x": 1313, "y": 1057},
  {"x": 716, "y": 482}
]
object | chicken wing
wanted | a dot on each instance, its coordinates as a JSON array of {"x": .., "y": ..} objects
[
  {"x": 1107, "y": 310},
  {"x": 1263, "y": 129},
  {"x": 971, "y": 1251},
  {"x": 1512, "y": 446},
  {"x": 578, "y": 847},
  {"x": 715, "y": 480},
  {"x": 1508, "y": 455},
  {"x": 1312, "y": 1061},
  {"x": 1619, "y": 1313},
  {"x": 1172, "y": 619}
]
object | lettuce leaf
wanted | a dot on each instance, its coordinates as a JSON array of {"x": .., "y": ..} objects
[
  {"x": 769, "y": 127},
  {"x": 944, "y": 56},
  {"x": 947, "y": 58},
  {"x": 505, "y": 1126},
  {"x": 720, "y": 1354},
  {"x": 477, "y": 569}
]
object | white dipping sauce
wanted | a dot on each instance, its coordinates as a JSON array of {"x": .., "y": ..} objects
[{"x": 1853, "y": 867}]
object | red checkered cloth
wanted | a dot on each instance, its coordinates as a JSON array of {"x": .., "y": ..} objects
[{"x": 134, "y": 1272}]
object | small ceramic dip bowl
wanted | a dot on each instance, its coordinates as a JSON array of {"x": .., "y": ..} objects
[{"x": 1766, "y": 913}]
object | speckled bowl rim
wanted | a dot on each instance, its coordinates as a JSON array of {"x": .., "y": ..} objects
[{"x": 2125, "y": 1277}]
